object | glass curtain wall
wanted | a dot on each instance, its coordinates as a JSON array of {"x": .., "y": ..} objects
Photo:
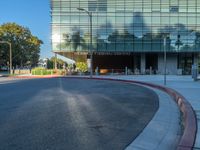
[{"x": 126, "y": 25}]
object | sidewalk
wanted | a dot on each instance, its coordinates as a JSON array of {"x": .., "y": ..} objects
[
  {"x": 183, "y": 84},
  {"x": 163, "y": 132}
]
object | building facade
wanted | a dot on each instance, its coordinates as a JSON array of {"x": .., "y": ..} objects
[{"x": 129, "y": 33}]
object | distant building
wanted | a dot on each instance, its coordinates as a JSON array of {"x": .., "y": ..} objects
[
  {"x": 129, "y": 33},
  {"x": 43, "y": 63}
]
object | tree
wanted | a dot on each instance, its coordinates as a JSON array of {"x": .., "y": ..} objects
[
  {"x": 25, "y": 46},
  {"x": 51, "y": 62}
]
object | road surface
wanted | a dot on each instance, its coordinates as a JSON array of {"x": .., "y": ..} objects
[{"x": 72, "y": 114}]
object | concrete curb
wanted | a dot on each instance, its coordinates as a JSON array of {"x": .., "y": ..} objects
[
  {"x": 4, "y": 75},
  {"x": 35, "y": 77},
  {"x": 189, "y": 118}
]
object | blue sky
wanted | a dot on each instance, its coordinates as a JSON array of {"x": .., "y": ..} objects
[{"x": 34, "y": 14}]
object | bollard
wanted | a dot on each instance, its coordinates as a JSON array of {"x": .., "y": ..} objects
[
  {"x": 150, "y": 70},
  {"x": 97, "y": 71},
  {"x": 126, "y": 71},
  {"x": 194, "y": 72}
]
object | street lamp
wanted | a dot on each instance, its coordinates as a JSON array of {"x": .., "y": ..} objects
[
  {"x": 91, "y": 56},
  {"x": 10, "y": 45},
  {"x": 165, "y": 62},
  {"x": 55, "y": 62}
]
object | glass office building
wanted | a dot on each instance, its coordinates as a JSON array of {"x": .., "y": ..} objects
[{"x": 129, "y": 33}]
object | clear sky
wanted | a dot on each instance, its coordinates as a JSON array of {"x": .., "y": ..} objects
[{"x": 34, "y": 14}]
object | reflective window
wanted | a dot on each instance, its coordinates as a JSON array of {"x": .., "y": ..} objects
[
  {"x": 102, "y": 5},
  {"x": 173, "y": 9},
  {"x": 126, "y": 25},
  {"x": 92, "y": 5}
]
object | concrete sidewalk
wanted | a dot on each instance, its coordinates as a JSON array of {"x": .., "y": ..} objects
[
  {"x": 183, "y": 84},
  {"x": 163, "y": 132}
]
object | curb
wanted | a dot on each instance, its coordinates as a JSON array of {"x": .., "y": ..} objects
[
  {"x": 36, "y": 77},
  {"x": 4, "y": 75},
  {"x": 189, "y": 118}
]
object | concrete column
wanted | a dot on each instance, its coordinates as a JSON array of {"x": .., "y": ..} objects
[
  {"x": 160, "y": 64},
  {"x": 195, "y": 59},
  {"x": 135, "y": 62},
  {"x": 172, "y": 64},
  {"x": 196, "y": 62},
  {"x": 143, "y": 63}
]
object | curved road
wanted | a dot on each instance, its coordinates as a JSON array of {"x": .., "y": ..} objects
[{"x": 73, "y": 114}]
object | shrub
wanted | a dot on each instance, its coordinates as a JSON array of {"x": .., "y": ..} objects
[
  {"x": 41, "y": 71},
  {"x": 81, "y": 67}
]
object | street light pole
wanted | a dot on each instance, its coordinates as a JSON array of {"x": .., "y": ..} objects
[
  {"x": 165, "y": 62},
  {"x": 10, "y": 50},
  {"x": 55, "y": 62},
  {"x": 91, "y": 51}
]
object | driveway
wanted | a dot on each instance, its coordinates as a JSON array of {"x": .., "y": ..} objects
[{"x": 74, "y": 114}]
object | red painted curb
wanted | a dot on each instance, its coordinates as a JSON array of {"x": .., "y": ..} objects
[{"x": 189, "y": 118}]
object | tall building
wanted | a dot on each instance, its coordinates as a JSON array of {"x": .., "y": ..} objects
[{"x": 129, "y": 33}]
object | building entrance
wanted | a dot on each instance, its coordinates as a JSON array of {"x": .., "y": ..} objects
[
  {"x": 151, "y": 63},
  {"x": 185, "y": 62},
  {"x": 116, "y": 63}
]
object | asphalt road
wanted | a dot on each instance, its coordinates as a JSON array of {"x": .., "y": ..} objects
[{"x": 72, "y": 114}]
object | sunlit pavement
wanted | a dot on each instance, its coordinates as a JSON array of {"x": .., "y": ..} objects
[
  {"x": 72, "y": 114},
  {"x": 6, "y": 80},
  {"x": 184, "y": 84}
]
